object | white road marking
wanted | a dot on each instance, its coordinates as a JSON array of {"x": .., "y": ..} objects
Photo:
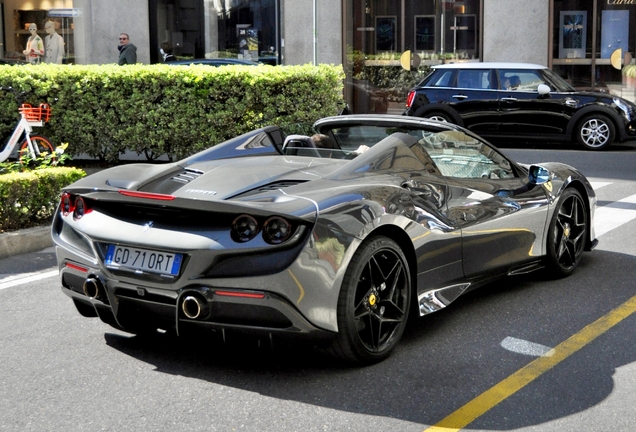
[
  {"x": 24, "y": 278},
  {"x": 613, "y": 215},
  {"x": 524, "y": 347},
  {"x": 596, "y": 185}
]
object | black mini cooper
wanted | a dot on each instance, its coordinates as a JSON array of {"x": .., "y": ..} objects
[{"x": 504, "y": 100}]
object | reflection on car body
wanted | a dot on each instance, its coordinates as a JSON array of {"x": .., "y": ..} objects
[{"x": 334, "y": 250}]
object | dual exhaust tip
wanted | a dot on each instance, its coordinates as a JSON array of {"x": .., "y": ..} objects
[{"x": 193, "y": 306}]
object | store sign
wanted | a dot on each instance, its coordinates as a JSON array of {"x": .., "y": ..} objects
[{"x": 65, "y": 13}]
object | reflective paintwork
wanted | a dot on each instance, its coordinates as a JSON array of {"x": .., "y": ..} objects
[{"x": 461, "y": 212}]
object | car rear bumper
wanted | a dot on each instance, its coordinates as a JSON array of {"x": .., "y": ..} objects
[{"x": 138, "y": 309}]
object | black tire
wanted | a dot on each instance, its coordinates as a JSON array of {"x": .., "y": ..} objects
[
  {"x": 595, "y": 132},
  {"x": 42, "y": 145},
  {"x": 373, "y": 306},
  {"x": 567, "y": 234},
  {"x": 438, "y": 116}
]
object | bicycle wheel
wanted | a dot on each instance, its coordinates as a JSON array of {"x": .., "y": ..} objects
[{"x": 42, "y": 147}]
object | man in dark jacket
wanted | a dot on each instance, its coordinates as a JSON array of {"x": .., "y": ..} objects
[{"x": 127, "y": 51}]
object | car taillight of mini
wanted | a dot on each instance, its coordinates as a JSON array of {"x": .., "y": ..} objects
[{"x": 409, "y": 99}]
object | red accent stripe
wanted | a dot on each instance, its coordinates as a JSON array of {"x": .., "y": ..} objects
[
  {"x": 147, "y": 195},
  {"x": 240, "y": 294},
  {"x": 76, "y": 267}
]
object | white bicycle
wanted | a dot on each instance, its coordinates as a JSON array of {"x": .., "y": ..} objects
[{"x": 32, "y": 147}]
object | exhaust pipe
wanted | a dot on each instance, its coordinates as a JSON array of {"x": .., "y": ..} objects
[
  {"x": 93, "y": 288},
  {"x": 194, "y": 307}
]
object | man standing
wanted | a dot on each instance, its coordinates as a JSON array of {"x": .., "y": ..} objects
[
  {"x": 53, "y": 44},
  {"x": 127, "y": 51}
]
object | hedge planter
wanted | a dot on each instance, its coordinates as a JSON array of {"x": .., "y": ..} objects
[{"x": 105, "y": 110}]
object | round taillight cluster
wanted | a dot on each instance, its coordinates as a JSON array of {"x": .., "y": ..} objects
[
  {"x": 73, "y": 204},
  {"x": 276, "y": 229}
]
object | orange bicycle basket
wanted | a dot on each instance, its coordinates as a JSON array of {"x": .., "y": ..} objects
[{"x": 41, "y": 113}]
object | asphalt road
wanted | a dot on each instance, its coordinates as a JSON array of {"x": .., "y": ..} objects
[{"x": 61, "y": 371}]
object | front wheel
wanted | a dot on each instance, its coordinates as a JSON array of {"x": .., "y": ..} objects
[
  {"x": 43, "y": 149},
  {"x": 374, "y": 303},
  {"x": 595, "y": 132},
  {"x": 567, "y": 235}
]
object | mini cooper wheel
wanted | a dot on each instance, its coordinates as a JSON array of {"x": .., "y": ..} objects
[
  {"x": 595, "y": 132},
  {"x": 438, "y": 116},
  {"x": 567, "y": 235},
  {"x": 374, "y": 302}
]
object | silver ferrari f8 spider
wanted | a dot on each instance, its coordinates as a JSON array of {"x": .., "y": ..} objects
[{"x": 335, "y": 237}]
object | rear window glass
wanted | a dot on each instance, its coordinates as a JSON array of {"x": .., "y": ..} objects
[
  {"x": 474, "y": 79},
  {"x": 440, "y": 78}
]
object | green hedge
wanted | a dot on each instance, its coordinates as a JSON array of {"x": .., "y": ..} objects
[
  {"x": 29, "y": 198},
  {"x": 104, "y": 110}
]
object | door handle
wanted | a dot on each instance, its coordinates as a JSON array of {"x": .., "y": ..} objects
[
  {"x": 460, "y": 96},
  {"x": 509, "y": 99}
]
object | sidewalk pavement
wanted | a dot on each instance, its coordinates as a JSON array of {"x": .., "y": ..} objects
[{"x": 24, "y": 241}]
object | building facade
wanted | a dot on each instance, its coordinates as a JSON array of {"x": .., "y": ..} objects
[{"x": 378, "y": 42}]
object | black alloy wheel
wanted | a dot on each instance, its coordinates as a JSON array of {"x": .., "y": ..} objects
[
  {"x": 374, "y": 302},
  {"x": 567, "y": 235}
]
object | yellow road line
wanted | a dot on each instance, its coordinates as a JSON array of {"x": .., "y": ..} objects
[{"x": 524, "y": 376}]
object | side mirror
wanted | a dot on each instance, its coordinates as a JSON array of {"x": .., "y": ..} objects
[
  {"x": 537, "y": 175},
  {"x": 543, "y": 90}
]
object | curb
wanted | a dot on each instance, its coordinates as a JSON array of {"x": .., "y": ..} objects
[{"x": 25, "y": 241}]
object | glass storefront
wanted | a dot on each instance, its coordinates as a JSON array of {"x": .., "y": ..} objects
[
  {"x": 592, "y": 40},
  {"x": 18, "y": 16},
  {"x": 390, "y": 45},
  {"x": 246, "y": 29}
]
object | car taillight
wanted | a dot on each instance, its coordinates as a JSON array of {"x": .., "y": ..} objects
[
  {"x": 66, "y": 204},
  {"x": 276, "y": 230},
  {"x": 244, "y": 228},
  {"x": 409, "y": 99},
  {"x": 80, "y": 208}
]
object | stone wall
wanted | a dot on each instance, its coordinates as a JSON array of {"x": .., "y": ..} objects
[{"x": 516, "y": 31}]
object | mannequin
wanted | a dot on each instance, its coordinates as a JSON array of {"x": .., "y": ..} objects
[
  {"x": 54, "y": 44},
  {"x": 34, "y": 46}
]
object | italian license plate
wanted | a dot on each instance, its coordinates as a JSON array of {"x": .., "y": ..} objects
[{"x": 143, "y": 260}]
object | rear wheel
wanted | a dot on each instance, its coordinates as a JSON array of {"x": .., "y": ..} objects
[
  {"x": 595, "y": 132},
  {"x": 567, "y": 235},
  {"x": 374, "y": 303},
  {"x": 42, "y": 146},
  {"x": 438, "y": 116}
]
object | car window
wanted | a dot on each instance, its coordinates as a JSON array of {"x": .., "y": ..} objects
[
  {"x": 459, "y": 155},
  {"x": 473, "y": 79},
  {"x": 521, "y": 80},
  {"x": 441, "y": 78}
]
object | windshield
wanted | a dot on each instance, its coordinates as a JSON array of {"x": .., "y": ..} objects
[{"x": 557, "y": 83}]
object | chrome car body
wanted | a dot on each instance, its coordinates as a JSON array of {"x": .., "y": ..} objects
[{"x": 275, "y": 243}]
